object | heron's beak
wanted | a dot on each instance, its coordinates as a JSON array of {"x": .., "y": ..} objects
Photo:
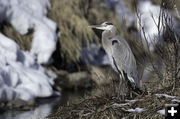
[{"x": 97, "y": 27}]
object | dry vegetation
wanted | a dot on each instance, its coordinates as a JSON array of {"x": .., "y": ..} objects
[
  {"x": 165, "y": 80},
  {"x": 73, "y": 18},
  {"x": 24, "y": 41}
]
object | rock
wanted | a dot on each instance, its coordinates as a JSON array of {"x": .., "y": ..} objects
[
  {"x": 2, "y": 105},
  {"x": 97, "y": 76},
  {"x": 79, "y": 80},
  {"x": 20, "y": 104},
  {"x": 76, "y": 80}
]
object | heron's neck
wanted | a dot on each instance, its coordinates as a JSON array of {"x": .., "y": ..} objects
[
  {"x": 106, "y": 39},
  {"x": 108, "y": 34}
]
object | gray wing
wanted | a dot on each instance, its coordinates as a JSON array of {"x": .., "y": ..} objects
[{"x": 124, "y": 58}]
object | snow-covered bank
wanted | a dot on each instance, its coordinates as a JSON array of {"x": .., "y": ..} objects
[
  {"x": 21, "y": 76},
  {"x": 31, "y": 14},
  {"x": 148, "y": 19},
  {"x": 154, "y": 20}
]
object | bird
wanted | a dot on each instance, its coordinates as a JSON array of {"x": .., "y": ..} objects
[{"x": 120, "y": 55}]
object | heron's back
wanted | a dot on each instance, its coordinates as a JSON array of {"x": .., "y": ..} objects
[{"x": 119, "y": 49}]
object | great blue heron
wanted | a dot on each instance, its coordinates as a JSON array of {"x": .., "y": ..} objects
[{"x": 120, "y": 55}]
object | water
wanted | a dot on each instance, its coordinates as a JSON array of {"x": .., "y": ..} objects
[
  {"x": 39, "y": 112},
  {"x": 46, "y": 106}
]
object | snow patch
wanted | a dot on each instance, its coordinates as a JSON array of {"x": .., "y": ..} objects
[
  {"x": 150, "y": 21},
  {"x": 132, "y": 101},
  {"x": 21, "y": 76},
  {"x": 162, "y": 112},
  {"x": 129, "y": 102},
  {"x": 147, "y": 10},
  {"x": 164, "y": 95},
  {"x": 176, "y": 100},
  {"x": 31, "y": 14},
  {"x": 137, "y": 109},
  {"x": 86, "y": 114},
  {"x": 120, "y": 105}
]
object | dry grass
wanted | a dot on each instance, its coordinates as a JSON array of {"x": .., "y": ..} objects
[
  {"x": 102, "y": 107},
  {"x": 73, "y": 18},
  {"x": 165, "y": 81},
  {"x": 24, "y": 41}
]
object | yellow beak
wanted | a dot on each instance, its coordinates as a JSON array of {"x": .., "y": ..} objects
[{"x": 97, "y": 27}]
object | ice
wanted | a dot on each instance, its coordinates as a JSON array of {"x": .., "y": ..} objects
[
  {"x": 31, "y": 14},
  {"x": 162, "y": 112}
]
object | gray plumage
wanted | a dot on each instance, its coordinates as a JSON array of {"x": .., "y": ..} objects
[{"x": 119, "y": 52}]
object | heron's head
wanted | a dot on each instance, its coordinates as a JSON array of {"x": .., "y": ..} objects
[{"x": 106, "y": 26}]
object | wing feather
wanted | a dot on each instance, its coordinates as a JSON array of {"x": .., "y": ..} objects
[{"x": 124, "y": 58}]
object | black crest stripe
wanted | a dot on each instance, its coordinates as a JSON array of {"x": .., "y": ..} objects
[
  {"x": 114, "y": 42},
  {"x": 108, "y": 23}
]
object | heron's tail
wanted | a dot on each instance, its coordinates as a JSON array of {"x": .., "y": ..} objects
[
  {"x": 132, "y": 84},
  {"x": 131, "y": 80}
]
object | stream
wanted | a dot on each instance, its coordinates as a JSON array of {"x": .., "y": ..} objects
[{"x": 45, "y": 106}]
